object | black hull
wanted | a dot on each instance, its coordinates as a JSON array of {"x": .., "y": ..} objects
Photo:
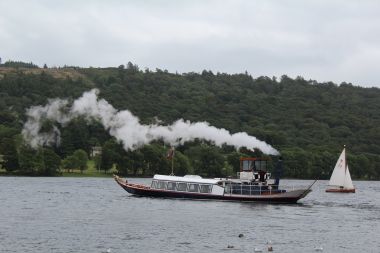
[{"x": 140, "y": 190}]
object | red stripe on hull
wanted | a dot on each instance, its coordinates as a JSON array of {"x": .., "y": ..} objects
[{"x": 341, "y": 190}]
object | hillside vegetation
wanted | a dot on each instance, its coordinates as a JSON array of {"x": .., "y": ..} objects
[{"x": 307, "y": 121}]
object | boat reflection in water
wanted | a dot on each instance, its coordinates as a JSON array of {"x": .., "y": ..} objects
[{"x": 252, "y": 184}]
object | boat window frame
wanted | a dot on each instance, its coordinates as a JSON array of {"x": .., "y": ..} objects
[
  {"x": 178, "y": 183},
  {"x": 247, "y": 165},
  {"x": 154, "y": 184},
  {"x": 162, "y": 181},
  {"x": 195, "y": 190},
  {"x": 209, "y": 188},
  {"x": 172, "y": 189}
]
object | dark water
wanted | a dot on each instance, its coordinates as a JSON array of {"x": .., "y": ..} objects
[{"x": 96, "y": 215}]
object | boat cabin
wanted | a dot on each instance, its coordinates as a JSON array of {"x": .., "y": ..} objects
[
  {"x": 188, "y": 183},
  {"x": 254, "y": 169}
]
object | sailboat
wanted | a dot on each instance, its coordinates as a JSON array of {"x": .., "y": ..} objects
[{"x": 340, "y": 180}]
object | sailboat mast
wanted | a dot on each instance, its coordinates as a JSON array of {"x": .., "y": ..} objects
[{"x": 345, "y": 159}]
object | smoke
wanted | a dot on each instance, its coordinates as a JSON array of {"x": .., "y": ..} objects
[{"x": 126, "y": 127}]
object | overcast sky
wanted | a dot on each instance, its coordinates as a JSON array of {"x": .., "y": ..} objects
[{"x": 321, "y": 40}]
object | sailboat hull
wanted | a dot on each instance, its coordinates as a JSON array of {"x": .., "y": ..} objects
[{"x": 341, "y": 190}]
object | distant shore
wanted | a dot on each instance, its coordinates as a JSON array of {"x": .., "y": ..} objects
[{"x": 92, "y": 174}]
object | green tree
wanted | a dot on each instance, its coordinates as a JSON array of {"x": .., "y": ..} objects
[
  {"x": 9, "y": 154},
  {"x": 78, "y": 160},
  {"x": 70, "y": 163},
  {"x": 82, "y": 159},
  {"x": 182, "y": 165},
  {"x": 206, "y": 160},
  {"x": 30, "y": 160},
  {"x": 52, "y": 162},
  {"x": 110, "y": 155},
  {"x": 316, "y": 117}
]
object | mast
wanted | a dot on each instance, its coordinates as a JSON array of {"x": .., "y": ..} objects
[
  {"x": 170, "y": 156},
  {"x": 172, "y": 174},
  {"x": 347, "y": 177},
  {"x": 345, "y": 160}
]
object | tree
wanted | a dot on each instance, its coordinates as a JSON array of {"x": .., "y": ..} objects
[
  {"x": 110, "y": 155},
  {"x": 154, "y": 159},
  {"x": 30, "y": 160},
  {"x": 227, "y": 170},
  {"x": 9, "y": 154},
  {"x": 136, "y": 160},
  {"x": 70, "y": 163},
  {"x": 78, "y": 160},
  {"x": 82, "y": 159},
  {"x": 206, "y": 160},
  {"x": 75, "y": 136},
  {"x": 182, "y": 164},
  {"x": 233, "y": 160},
  {"x": 319, "y": 117},
  {"x": 52, "y": 162}
]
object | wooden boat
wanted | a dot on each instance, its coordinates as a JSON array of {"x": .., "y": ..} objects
[
  {"x": 253, "y": 184},
  {"x": 340, "y": 180}
]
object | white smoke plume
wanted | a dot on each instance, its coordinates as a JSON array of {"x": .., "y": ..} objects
[{"x": 126, "y": 127}]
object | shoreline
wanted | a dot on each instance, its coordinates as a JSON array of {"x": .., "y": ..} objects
[{"x": 110, "y": 175}]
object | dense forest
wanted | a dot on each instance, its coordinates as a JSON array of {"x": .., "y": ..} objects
[{"x": 307, "y": 121}]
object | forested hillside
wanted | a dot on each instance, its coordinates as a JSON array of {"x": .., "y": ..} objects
[{"x": 307, "y": 121}]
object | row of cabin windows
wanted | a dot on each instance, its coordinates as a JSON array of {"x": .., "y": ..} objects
[{"x": 181, "y": 186}]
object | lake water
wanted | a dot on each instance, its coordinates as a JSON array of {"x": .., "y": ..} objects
[{"x": 96, "y": 215}]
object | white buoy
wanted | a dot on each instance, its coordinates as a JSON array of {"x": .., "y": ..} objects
[
  {"x": 269, "y": 244},
  {"x": 257, "y": 250},
  {"x": 319, "y": 249}
]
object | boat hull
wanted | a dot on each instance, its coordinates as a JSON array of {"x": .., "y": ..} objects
[
  {"x": 341, "y": 190},
  {"x": 141, "y": 190}
]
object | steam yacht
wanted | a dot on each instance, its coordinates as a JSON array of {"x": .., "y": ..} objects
[{"x": 253, "y": 183}]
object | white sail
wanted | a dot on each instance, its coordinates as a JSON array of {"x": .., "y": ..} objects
[
  {"x": 347, "y": 180},
  {"x": 338, "y": 176}
]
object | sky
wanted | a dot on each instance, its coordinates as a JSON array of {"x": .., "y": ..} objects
[{"x": 323, "y": 40}]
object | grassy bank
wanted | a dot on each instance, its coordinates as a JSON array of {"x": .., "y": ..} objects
[{"x": 91, "y": 171}]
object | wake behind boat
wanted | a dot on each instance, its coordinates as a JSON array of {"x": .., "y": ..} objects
[
  {"x": 253, "y": 184},
  {"x": 340, "y": 180}
]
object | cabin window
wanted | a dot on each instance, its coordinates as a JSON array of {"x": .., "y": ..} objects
[
  {"x": 227, "y": 189},
  {"x": 154, "y": 184},
  {"x": 205, "y": 188},
  {"x": 193, "y": 187},
  {"x": 181, "y": 187},
  {"x": 161, "y": 185},
  {"x": 247, "y": 165},
  {"x": 171, "y": 186},
  {"x": 260, "y": 165}
]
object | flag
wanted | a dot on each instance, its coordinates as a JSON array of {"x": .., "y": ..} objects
[{"x": 170, "y": 153}]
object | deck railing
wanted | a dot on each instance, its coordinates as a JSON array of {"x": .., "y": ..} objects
[{"x": 240, "y": 189}]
